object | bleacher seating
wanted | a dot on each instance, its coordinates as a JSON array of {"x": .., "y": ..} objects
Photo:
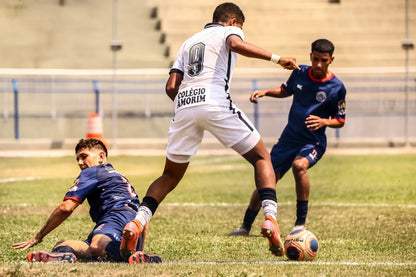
[
  {"x": 366, "y": 33},
  {"x": 78, "y": 34},
  {"x": 45, "y": 34}
]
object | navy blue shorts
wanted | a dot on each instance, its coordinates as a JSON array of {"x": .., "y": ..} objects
[
  {"x": 112, "y": 225},
  {"x": 283, "y": 155}
]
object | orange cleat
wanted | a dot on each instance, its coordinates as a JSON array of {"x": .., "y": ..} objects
[
  {"x": 270, "y": 230},
  {"x": 140, "y": 258},
  {"x": 51, "y": 257},
  {"x": 130, "y": 237}
]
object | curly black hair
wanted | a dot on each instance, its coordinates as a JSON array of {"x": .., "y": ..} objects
[{"x": 91, "y": 143}]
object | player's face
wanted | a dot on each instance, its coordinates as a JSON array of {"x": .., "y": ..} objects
[
  {"x": 89, "y": 157},
  {"x": 320, "y": 63}
]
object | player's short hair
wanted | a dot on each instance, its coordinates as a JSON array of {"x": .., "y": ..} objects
[
  {"x": 90, "y": 144},
  {"x": 227, "y": 10},
  {"x": 323, "y": 46}
]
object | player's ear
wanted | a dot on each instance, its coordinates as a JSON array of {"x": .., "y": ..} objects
[
  {"x": 102, "y": 157},
  {"x": 232, "y": 21}
]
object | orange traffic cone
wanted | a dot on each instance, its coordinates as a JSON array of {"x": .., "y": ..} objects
[{"x": 95, "y": 127}]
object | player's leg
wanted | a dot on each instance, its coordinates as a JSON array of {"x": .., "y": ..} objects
[
  {"x": 185, "y": 137},
  {"x": 157, "y": 191},
  {"x": 299, "y": 168},
  {"x": 266, "y": 186},
  {"x": 249, "y": 216},
  {"x": 233, "y": 129},
  {"x": 105, "y": 240},
  {"x": 64, "y": 251},
  {"x": 307, "y": 157},
  {"x": 281, "y": 156}
]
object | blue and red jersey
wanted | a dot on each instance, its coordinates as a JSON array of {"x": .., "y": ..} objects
[
  {"x": 324, "y": 98},
  {"x": 105, "y": 189}
]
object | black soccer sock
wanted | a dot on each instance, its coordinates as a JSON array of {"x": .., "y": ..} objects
[
  {"x": 249, "y": 218},
  {"x": 269, "y": 202},
  {"x": 151, "y": 203},
  {"x": 301, "y": 212},
  {"x": 267, "y": 194}
]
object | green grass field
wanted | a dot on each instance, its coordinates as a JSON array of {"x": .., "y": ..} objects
[{"x": 362, "y": 209}]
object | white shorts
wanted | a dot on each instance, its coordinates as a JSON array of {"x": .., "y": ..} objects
[{"x": 230, "y": 126}]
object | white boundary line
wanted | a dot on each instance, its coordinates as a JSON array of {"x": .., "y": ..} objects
[
  {"x": 10, "y": 180},
  {"x": 321, "y": 204},
  {"x": 318, "y": 263},
  {"x": 295, "y": 262}
]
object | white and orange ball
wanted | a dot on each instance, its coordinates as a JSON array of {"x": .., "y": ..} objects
[{"x": 301, "y": 245}]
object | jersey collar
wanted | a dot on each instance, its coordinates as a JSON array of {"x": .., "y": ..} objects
[
  {"x": 213, "y": 25},
  {"x": 320, "y": 80}
]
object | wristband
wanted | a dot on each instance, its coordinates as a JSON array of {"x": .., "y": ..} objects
[{"x": 275, "y": 58}]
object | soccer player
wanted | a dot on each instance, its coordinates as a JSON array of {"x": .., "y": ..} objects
[
  {"x": 113, "y": 203},
  {"x": 318, "y": 102},
  {"x": 199, "y": 85}
]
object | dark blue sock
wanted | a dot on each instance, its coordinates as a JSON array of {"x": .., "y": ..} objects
[
  {"x": 249, "y": 218},
  {"x": 301, "y": 212},
  {"x": 113, "y": 251},
  {"x": 64, "y": 249}
]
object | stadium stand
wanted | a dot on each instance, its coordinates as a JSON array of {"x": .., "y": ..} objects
[
  {"x": 77, "y": 34},
  {"x": 51, "y": 49},
  {"x": 366, "y": 33}
]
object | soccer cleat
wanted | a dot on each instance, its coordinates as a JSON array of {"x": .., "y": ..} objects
[
  {"x": 51, "y": 257},
  {"x": 271, "y": 231},
  {"x": 130, "y": 237},
  {"x": 240, "y": 232},
  {"x": 140, "y": 257}
]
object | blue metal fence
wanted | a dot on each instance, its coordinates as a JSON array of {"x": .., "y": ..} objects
[{"x": 368, "y": 97}]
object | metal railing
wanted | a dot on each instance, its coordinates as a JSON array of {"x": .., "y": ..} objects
[{"x": 374, "y": 98}]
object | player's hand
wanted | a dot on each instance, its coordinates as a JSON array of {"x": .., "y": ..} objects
[
  {"x": 314, "y": 122},
  {"x": 288, "y": 63},
  {"x": 26, "y": 244},
  {"x": 257, "y": 94}
]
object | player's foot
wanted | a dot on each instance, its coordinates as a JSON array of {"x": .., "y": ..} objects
[
  {"x": 51, "y": 257},
  {"x": 271, "y": 231},
  {"x": 130, "y": 237},
  {"x": 299, "y": 227},
  {"x": 140, "y": 257},
  {"x": 240, "y": 232}
]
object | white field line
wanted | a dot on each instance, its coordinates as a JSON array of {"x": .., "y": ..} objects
[
  {"x": 317, "y": 263},
  {"x": 295, "y": 262},
  {"x": 320, "y": 204},
  {"x": 10, "y": 180}
]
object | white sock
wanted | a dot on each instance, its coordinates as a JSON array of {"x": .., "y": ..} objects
[
  {"x": 269, "y": 208},
  {"x": 144, "y": 214}
]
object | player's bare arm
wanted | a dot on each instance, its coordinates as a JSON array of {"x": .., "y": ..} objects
[
  {"x": 250, "y": 50},
  {"x": 314, "y": 122},
  {"x": 62, "y": 212},
  {"x": 276, "y": 93},
  {"x": 172, "y": 85}
]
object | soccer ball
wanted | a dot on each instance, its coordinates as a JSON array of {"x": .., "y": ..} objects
[{"x": 301, "y": 245}]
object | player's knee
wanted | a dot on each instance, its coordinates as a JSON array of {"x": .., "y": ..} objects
[
  {"x": 97, "y": 251},
  {"x": 299, "y": 166}
]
